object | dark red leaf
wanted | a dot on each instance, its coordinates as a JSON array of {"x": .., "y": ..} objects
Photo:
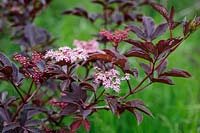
[
  {"x": 100, "y": 2},
  {"x": 163, "y": 79},
  {"x": 75, "y": 125},
  {"x": 7, "y": 70},
  {"x": 177, "y": 73},
  {"x": 112, "y": 57},
  {"x": 86, "y": 125},
  {"x": 161, "y": 9},
  {"x": 77, "y": 12},
  {"x": 135, "y": 52}
]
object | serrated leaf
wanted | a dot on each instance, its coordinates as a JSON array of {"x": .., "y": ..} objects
[{"x": 161, "y": 9}]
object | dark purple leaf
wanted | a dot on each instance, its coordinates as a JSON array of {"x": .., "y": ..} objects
[
  {"x": 160, "y": 30},
  {"x": 4, "y": 60},
  {"x": 87, "y": 86},
  {"x": 34, "y": 130},
  {"x": 135, "y": 72},
  {"x": 163, "y": 79},
  {"x": 1, "y": 25},
  {"x": 65, "y": 84},
  {"x": 144, "y": 110},
  {"x": 146, "y": 68},
  {"x": 162, "y": 67},
  {"x": 17, "y": 77},
  {"x": 137, "y": 31},
  {"x": 135, "y": 103},
  {"x": 4, "y": 114},
  {"x": 35, "y": 35},
  {"x": 32, "y": 113},
  {"x": 86, "y": 113},
  {"x": 177, "y": 73},
  {"x": 69, "y": 109},
  {"x": 138, "y": 116},
  {"x": 112, "y": 103},
  {"x": 10, "y": 126},
  {"x": 10, "y": 100},
  {"x": 149, "y": 27},
  {"x": 33, "y": 123}
]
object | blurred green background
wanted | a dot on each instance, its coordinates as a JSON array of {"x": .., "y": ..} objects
[{"x": 176, "y": 108}]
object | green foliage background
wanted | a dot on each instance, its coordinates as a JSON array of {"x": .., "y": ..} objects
[{"x": 176, "y": 108}]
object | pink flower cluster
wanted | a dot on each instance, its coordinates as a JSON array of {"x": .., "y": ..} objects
[
  {"x": 110, "y": 78},
  {"x": 30, "y": 66},
  {"x": 90, "y": 46},
  {"x": 24, "y": 61},
  {"x": 58, "y": 104},
  {"x": 116, "y": 37},
  {"x": 67, "y": 54}
]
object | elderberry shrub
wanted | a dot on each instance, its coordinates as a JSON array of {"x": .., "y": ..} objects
[{"x": 58, "y": 91}]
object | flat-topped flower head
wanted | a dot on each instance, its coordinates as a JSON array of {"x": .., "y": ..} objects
[
  {"x": 90, "y": 46},
  {"x": 67, "y": 54},
  {"x": 115, "y": 37},
  {"x": 109, "y": 79}
]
